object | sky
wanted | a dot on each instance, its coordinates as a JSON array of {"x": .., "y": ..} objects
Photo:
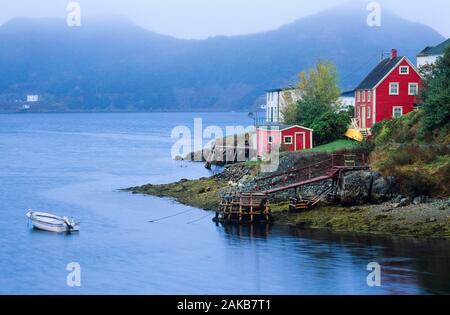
[{"x": 198, "y": 19}]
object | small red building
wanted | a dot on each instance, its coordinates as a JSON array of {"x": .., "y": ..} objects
[
  {"x": 289, "y": 138},
  {"x": 389, "y": 91}
]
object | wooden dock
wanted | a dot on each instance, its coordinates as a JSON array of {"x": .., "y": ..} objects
[
  {"x": 244, "y": 208},
  {"x": 254, "y": 207}
]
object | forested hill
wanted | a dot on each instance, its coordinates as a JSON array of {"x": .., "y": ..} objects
[{"x": 115, "y": 65}]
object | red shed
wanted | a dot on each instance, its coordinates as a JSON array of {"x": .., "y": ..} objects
[
  {"x": 389, "y": 91},
  {"x": 290, "y": 138}
]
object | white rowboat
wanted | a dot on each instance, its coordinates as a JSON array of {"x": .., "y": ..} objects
[{"x": 53, "y": 223}]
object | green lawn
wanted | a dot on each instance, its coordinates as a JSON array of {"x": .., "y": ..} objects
[{"x": 334, "y": 146}]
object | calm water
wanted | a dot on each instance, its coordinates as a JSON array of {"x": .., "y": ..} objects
[{"x": 73, "y": 164}]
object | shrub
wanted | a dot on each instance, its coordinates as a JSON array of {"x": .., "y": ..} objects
[
  {"x": 330, "y": 126},
  {"x": 365, "y": 147},
  {"x": 415, "y": 183}
]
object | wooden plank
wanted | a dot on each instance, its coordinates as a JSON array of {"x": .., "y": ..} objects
[{"x": 302, "y": 183}]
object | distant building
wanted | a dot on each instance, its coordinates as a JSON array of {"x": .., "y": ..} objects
[
  {"x": 389, "y": 91},
  {"x": 347, "y": 98},
  {"x": 276, "y": 102},
  {"x": 430, "y": 55},
  {"x": 32, "y": 98}
]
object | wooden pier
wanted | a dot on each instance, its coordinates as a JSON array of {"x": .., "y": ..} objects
[
  {"x": 244, "y": 208},
  {"x": 254, "y": 207}
]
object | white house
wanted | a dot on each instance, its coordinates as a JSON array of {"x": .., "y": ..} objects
[
  {"x": 431, "y": 54},
  {"x": 276, "y": 102},
  {"x": 347, "y": 99},
  {"x": 32, "y": 98}
]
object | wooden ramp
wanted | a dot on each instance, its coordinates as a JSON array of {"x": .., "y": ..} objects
[{"x": 254, "y": 207}]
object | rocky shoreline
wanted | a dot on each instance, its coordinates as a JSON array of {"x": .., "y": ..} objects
[{"x": 369, "y": 202}]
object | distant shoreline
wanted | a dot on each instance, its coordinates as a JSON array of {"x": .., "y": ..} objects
[{"x": 118, "y": 112}]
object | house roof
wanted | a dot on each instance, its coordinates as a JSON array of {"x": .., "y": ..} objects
[
  {"x": 348, "y": 93},
  {"x": 436, "y": 50},
  {"x": 281, "y": 89},
  {"x": 378, "y": 73},
  {"x": 281, "y": 127}
]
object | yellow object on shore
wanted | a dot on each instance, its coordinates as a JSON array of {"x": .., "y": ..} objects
[{"x": 354, "y": 134}]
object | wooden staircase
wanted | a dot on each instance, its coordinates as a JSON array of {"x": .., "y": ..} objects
[
  {"x": 365, "y": 133},
  {"x": 303, "y": 204}
]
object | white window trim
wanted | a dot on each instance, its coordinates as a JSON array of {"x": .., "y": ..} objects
[
  {"x": 403, "y": 67},
  {"x": 359, "y": 96},
  {"x": 409, "y": 88},
  {"x": 393, "y": 111},
  {"x": 363, "y": 96},
  {"x": 288, "y": 137},
  {"x": 369, "y": 96},
  {"x": 369, "y": 112},
  {"x": 390, "y": 88}
]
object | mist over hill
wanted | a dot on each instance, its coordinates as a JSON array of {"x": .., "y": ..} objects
[{"x": 115, "y": 65}]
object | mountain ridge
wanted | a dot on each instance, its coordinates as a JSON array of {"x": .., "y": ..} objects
[{"x": 117, "y": 65}]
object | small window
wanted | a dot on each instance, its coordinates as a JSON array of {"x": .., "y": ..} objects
[
  {"x": 404, "y": 70},
  {"x": 288, "y": 140},
  {"x": 397, "y": 112},
  {"x": 357, "y": 112},
  {"x": 368, "y": 112},
  {"x": 369, "y": 96},
  {"x": 413, "y": 88},
  {"x": 270, "y": 140},
  {"x": 393, "y": 88},
  {"x": 363, "y": 96},
  {"x": 358, "y": 96}
]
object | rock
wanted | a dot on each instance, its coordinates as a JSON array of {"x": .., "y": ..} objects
[
  {"x": 432, "y": 219},
  {"x": 355, "y": 188},
  {"x": 354, "y": 209},
  {"x": 398, "y": 199},
  {"x": 405, "y": 202},
  {"x": 448, "y": 202},
  {"x": 382, "y": 188},
  {"x": 388, "y": 209},
  {"x": 396, "y": 205},
  {"x": 244, "y": 179},
  {"x": 420, "y": 199}
]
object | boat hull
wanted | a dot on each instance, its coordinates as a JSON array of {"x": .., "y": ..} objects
[{"x": 51, "y": 223}]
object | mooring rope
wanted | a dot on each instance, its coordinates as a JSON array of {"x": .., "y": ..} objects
[
  {"x": 171, "y": 216},
  {"x": 197, "y": 220}
]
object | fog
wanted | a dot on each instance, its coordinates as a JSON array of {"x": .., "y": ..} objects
[{"x": 205, "y": 18}]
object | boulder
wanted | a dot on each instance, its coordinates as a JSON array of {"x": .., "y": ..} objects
[
  {"x": 355, "y": 188},
  {"x": 405, "y": 202},
  {"x": 382, "y": 188},
  {"x": 360, "y": 187},
  {"x": 420, "y": 199}
]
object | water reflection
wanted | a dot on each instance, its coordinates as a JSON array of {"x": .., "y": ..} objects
[
  {"x": 409, "y": 265},
  {"x": 245, "y": 230}
]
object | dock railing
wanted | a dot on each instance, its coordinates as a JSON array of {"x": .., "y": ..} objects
[{"x": 323, "y": 169}]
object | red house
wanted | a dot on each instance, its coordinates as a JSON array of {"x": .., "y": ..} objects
[
  {"x": 389, "y": 91},
  {"x": 289, "y": 138}
]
